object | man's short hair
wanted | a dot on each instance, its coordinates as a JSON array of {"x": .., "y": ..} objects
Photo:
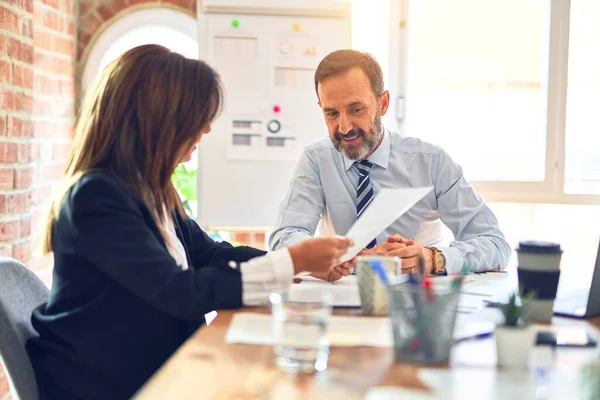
[{"x": 343, "y": 60}]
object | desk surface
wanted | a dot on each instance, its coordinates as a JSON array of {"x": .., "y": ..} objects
[{"x": 207, "y": 367}]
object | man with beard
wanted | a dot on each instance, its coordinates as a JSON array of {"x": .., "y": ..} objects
[{"x": 337, "y": 177}]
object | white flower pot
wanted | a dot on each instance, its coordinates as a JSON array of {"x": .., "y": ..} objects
[{"x": 513, "y": 345}]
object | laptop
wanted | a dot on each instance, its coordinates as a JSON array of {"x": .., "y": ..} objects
[{"x": 584, "y": 303}]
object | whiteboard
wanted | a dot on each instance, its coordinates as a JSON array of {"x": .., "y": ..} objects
[{"x": 266, "y": 58}]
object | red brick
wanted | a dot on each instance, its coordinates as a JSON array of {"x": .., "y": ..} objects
[
  {"x": 10, "y": 230},
  {"x": 7, "y": 178},
  {"x": 22, "y": 251},
  {"x": 2, "y": 126},
  {"x": 46, "y": 85},
  {"x": 26, "y": 226},
  {"x": 20, "y": 50},
  {"x": 28, "y": 5},
  {"x": 18, "y": 203},
  {"x": 8, "y": 20},
  {"x": 12, "y": 101},
  {"x": 40, "y": 108},
  {"x": 38, "y": 16},
  {"x": 83, "y": 37},
  {"x": 54, "y": 21},
  {"x": 5, "y": 72},
  {"x": 3, "y": 48},
  {"x": 119, "y": 5},
  {"x": 91, "y": 23},
  {"x": 18, "y": 127},
  {"x": 42, "y": 40},
  {"x": 25, "y": 153},
  {"x": 52, "y": 3},
  {"x": 64, "y": 46},
  {"x": 23, "y": 77},
  {"x": 71, "y": 28},
  {"x": 23, "y": 177},
  {"x": 51, "y": 172},
  {"x": 27, "y": 27},
  {"x": 8, "y": 152},
  {"x": 105, "y": 11},
  {"x": 55, "y": 65},
  {"x": 85, "y": 7},
  {"x": 69, "y": 7}
]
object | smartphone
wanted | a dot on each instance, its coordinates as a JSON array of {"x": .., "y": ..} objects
[{"x": 566, "y": 338}]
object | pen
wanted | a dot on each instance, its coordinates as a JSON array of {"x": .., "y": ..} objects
[
  {"x": 378, "y": 268},
  {"x": 474, "y": 337}
]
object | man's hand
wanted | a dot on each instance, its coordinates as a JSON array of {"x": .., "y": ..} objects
[
  {"x": 406, "y": 249},
  {"x": 337, "y": 271}
]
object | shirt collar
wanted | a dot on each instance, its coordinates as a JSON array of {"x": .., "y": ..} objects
[{"x": 381, "y": 155}]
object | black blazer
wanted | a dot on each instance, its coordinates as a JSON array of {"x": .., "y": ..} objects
[{"x": 119, "y": 304}]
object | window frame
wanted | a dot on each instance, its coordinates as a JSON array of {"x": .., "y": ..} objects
[
  {"x": 167, "y": 17},
  {"x": 554, "y": 83}
]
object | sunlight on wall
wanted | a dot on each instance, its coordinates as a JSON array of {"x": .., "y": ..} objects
[
  {"x": 371, "y": 29},
  {"x": 169, "y": 38}
]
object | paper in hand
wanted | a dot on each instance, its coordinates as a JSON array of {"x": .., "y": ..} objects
[{"x": 387, "y": 206}]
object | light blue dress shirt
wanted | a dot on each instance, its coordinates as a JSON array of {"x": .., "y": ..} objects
[{"x": 323, "y": 190}]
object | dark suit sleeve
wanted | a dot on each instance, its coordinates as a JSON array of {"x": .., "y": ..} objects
[
  {"x": 110, "y": 231},
  {"x": 208, "y": 252}
]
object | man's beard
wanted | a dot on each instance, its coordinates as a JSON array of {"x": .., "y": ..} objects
[{"x": 369, "y": 142}]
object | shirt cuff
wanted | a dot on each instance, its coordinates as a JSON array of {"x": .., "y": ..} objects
[
  {"x": 263, "y": 275},
  {"x": 454, "y": 259}
]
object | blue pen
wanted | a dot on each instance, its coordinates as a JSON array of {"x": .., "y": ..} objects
[
  {"x": 378, "y": 268},
  {"x": 475, "y": 337}
]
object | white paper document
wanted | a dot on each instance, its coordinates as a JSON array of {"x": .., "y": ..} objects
[
  {"x": 387, "y": 206},
  {"x": 344, "y": 291},
  {"x": 252, "y": 328}
]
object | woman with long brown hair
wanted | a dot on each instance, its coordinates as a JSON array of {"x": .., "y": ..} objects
[{"x": 133, "y": 275}]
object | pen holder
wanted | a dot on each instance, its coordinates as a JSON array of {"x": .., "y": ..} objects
[{"x": 422, "y": 322}]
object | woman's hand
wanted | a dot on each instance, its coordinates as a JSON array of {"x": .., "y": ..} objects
[{"x": 320, "y": 255}]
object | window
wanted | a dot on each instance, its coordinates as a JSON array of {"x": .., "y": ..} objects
[
  {"x": 172, "y": 29},
  {"x": 487, "y": 81},
  {"x": 582, "y": 138}
]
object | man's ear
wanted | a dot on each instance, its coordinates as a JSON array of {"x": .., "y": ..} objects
[{"x": 384, "y": 101}]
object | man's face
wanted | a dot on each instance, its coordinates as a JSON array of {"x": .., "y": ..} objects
[{"x": 352, "y": 113}]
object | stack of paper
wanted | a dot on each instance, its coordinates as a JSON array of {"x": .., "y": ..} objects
[
  {"x": 252, "y": 328},
  {"x": 344, "y": 291}
]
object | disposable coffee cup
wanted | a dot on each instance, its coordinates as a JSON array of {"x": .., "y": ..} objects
[
  {"x": 373, "y": 293},
  {"x": 539, "y": 273}
]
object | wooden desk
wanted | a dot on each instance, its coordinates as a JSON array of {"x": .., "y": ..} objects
[{"x": 206, "y": 367}]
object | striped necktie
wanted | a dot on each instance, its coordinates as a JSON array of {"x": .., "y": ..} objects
[{"x": 364, "y": 192}]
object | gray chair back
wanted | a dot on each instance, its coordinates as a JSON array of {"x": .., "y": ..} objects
[{"x": 20, "y": 292}]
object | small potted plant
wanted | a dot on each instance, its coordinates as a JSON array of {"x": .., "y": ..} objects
[{"x": 514, "y": 338}]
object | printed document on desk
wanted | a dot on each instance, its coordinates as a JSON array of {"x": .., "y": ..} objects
[
  {"x": 387, "y": 206},
  {"x": 344, "y": 291}
]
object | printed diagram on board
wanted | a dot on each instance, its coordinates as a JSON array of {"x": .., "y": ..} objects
[{"x": 261, "y": 137}]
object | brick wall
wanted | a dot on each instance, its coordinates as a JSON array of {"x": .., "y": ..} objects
[
  {"x": 37, "y": 64},
  {"x": 95, "y": 15}
]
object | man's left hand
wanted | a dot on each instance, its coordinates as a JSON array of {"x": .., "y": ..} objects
[{"x": 410, "y": 254}]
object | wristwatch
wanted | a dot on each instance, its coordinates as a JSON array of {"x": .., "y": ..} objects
[{"x": 439, "y": 262}]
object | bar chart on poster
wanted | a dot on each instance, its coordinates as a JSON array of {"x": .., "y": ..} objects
[{"x": 266, "y": 54}]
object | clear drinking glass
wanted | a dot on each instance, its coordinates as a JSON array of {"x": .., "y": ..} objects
[{"x": 300, "y": 331}]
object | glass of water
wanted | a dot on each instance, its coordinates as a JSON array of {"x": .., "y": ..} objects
[{"x": 300, "y": 331}]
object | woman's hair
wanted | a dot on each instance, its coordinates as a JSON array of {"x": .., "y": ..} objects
[{"x": 139, "y": 119}]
